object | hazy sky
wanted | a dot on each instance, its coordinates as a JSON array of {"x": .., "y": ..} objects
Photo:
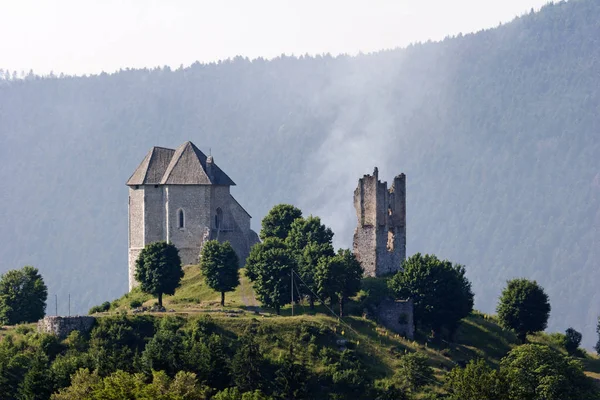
[{"x": 89, "y": 36}]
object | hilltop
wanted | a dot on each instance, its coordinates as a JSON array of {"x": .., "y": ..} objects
[
  {"x": 348, "y": 357},
  {"x": 496, "y": 132},
  {"x": 479, "y": 335}
]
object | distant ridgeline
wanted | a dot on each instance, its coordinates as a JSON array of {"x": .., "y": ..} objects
[{"x": 497, "y": 130}]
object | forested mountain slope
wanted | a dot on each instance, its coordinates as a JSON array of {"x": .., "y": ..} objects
[{"x": 498, "y": 133}]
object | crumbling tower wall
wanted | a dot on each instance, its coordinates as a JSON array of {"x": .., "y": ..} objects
[{"x": 380, "y": 235}]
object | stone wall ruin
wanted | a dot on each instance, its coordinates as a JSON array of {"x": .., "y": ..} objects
[
  {"x": 62, "y": 326},
  {"x": 397, "y": 316},
  {"x": 380, "y": 236}
]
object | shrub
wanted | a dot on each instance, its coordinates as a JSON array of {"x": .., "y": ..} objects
[
  {"x": 101, "y": 308},
  {"x": 414, "y": 372},
  {"x": 557, "y": 339},
  {"x": 572, "y": 340},
  {"x": 23, "y": 329},
  {"x": 135, "y": 303}
]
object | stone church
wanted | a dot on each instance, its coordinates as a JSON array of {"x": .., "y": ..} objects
[{"x": 181, "y": 196}]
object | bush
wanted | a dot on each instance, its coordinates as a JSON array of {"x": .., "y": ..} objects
[
  {"x": 135, "y": 303},
  {"x": 414, "y": 372},
  {"x": 101, "y": 308},
  {"x": 23, "y": 329},
  {"x": 557, "y": 339},
  {"x": 572, "y": 340},
  {"x": 374, "y": 291}
]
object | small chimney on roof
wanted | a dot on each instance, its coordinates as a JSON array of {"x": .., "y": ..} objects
[{"x": 209, "y": 167}]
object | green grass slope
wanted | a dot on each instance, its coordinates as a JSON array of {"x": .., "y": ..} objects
[{"x": 478, "y": 336}]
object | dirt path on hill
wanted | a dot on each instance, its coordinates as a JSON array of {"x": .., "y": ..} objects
[{"x": 248, "y": 297}]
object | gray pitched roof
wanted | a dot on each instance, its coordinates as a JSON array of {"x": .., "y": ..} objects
[
  {"x": 152, "y": 168},
  {"x": 185, "y": 166}
]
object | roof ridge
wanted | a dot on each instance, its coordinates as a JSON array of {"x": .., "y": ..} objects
[{"x": 149, "y": 163}]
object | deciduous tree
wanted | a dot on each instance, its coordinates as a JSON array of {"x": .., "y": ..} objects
[
  {"x": 219, "y": 264},
  {"x": 308, "y": 230},
  {"x": 158, "y": 269},
  {"x": 269, "y": 267},
  {"x": 572, "y": 340},
  {"x": 278, "y": 221},
  {"x": 338, "y": 278},
  {"x": 523, "y": 307},
  {"x": 23, "y": 295},
  {"x": 536, "y": 372},
  {"x": 440, "y": 291},
  {"x": 477, "y": 381},
  {"x": 310, "y": 241}
]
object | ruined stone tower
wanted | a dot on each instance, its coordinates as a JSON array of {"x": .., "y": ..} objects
[
  {"x": 380, "y": 236},
  {"x": 181, "y": 196}
]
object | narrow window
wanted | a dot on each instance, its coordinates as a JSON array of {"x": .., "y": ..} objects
[
  {"x": 219, "y": 218},
  {"x": 391, "y": 239},
  {"x": 181, "y": 219}
]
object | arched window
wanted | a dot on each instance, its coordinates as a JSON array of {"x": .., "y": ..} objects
[
  {"x": 219, "y": 218},
  {"x": 181, "y": 219}
]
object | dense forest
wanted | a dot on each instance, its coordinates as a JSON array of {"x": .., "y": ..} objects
[{"x": 496, "y": 131}]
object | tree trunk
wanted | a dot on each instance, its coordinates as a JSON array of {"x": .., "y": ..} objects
[
  {"x": 222, "y": 299},
  {"x": 341, "y": 306},
  {"x": 277, "y": 309},
  {"x": 522, "y": 337},
  {"x": 311, "y": 299},
  {"x": 160, "y": 299}
]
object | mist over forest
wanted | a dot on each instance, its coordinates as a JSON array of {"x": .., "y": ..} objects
[{"x": 498, "y": 133}]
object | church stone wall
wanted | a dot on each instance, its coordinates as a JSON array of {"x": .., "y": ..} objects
[
  {"x": 235, "y": 225},
  {"x": 136, "y": 229},
  {"x": 133, "y": 256},
  {"x": 194, "y": 200},
  {"x": 154, "y": 213},
  {"x": 136, "y": 217}
]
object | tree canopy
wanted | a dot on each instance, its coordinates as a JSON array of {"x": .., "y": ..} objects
[
  {"x": 440, "y": 291},
  {"x": 536, "y": 372},
  {"x": 310, "y": 241},
  {"x": 269, "y": 266},
  {"x": 339, "y": 277},
  {"x": 308, "y": 230},
  {"x": 219, "y": 264},
  {"x": 158, "y": 269},
  {"x": 476, "y": 381},
  {"x": 278, "y": 221},
  {"x": 23, "y": 295},
  {"x": 523, "y": 307}
]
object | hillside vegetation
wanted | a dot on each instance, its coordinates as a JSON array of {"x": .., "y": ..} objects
[
  {"x": 497, "y": 132},
  {"x": 332, "y": 358},
  {"x": 478, "y": 336}
]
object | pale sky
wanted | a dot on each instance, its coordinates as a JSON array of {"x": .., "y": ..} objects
[{"x": 91, "y": 36}]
